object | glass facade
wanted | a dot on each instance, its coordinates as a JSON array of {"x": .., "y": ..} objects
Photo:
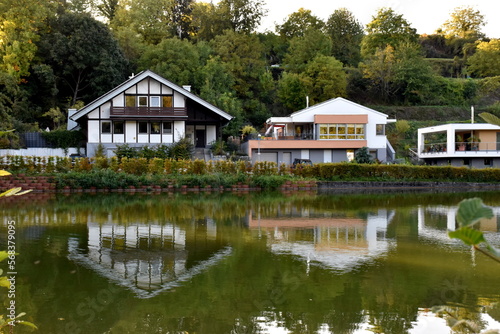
[{"x": 341, "y": 131}]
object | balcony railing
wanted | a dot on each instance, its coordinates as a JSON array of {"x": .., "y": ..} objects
[
  {"x": 148, "y": 112},
  {"x": 462, "y": 147}
]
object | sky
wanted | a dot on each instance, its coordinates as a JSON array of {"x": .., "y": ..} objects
[{"x": 424, "y": 15}]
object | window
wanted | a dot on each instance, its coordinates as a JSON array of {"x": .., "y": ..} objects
[
  {"x": 167, "y": 101},
  {"x": 118, "y": 128},
  {"x": 323, "y": 130},
  {"x": 341, "y": 131},
  {"x": 380, "y": 129},
  {"x": 487, "y": 162},
  {"x": 154, "y": 101},
  {"x": 130, "y": 101},
  {"x": 167, "y": 127},
  {"x": 155, "y": 128},
  {"x": 143, "y": 101},
  {"x": 106, "y": 127},
  {"x": 143, "y": 127}
]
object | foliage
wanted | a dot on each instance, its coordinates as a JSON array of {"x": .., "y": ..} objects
[
  {"x": 163, "y": 59},
  {"x": 346, "y": 33},
  {"x": 470, "y": 212},
  {"x": 293, "y": 89},
  {"x": 63, "y": 138},
  {"x": 83, "y": 55},
  {"x": 465, "y": 22},
  {"x": 304, "y": 48},
  {"x": 387, "y": 29},
  {"x": 181, "y": 150},
  {"x": 298, "y": 23},
  {"x": 243, "y": 15},
  {"x": 219, "y": 147},
  {"x": 486, "y": 61},
  {"x": 363, "y": 156},
  {"x": 328, "y": 78}
]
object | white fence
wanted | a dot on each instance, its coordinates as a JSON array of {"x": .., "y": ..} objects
[{"x": 39, "y": 152}]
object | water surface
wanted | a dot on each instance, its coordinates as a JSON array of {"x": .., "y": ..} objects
[{"x": 257, "y": 263}]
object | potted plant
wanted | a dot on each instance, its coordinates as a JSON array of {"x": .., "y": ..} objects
[{"x": 460, "y": 143}]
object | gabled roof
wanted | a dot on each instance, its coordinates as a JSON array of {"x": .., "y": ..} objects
[
  {"x": 138, "y": 78},
  {"x": 338, "y": 100}
]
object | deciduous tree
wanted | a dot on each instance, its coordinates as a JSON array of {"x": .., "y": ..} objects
[
  {"x": 486, "y": 61},
  {"x": 303, "y": 49},
  {"x": 84, "y": 57},
  {"x": 346, "y": 34},
  {"x": 298, "y": 23},
  {"x": 387, "y": 29},
  {"x": 465, "y": 22},
  {"x": 166, "y": 60},
  {"x": 244, "y": 15}
]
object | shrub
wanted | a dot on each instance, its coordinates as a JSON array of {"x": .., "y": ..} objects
[
  {"x": 125, "y": 151},
  {"x": 64, "y": 138}
]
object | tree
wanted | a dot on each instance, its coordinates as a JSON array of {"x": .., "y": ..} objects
[
  {"x": 84, "y": 57},
  {"x": 243, "y": 15},
  {"x": 346, "y": 34},
  {"x": 486, "y": 61},
  {"x": 303, "y": 49},
  {"x": 327, "y": 77},
  {"x": 387, "y": 28},
  {"x": 108, "y": 8},
  {"x": 20, "y": 24},
  {"x": 208, "y": 21},
  {"x": 182, "y": 18},
  {"x": 153, "y": 19},
  {"x": 298, "y": 23},
  {"x": 243, "y": 55},
  {"x": 379, "y": 69},
  {"x": 165, "y": 60},
  {"x": 401, "y": 74},
  {"x": 293, "y": 89},
  {"x": 465, "y": 22}
]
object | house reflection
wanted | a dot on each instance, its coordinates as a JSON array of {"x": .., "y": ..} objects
[
  {"x": 336, "y": 242},
  {"x": 149, "y": 258},
  {"x": 434, "y": 222}
]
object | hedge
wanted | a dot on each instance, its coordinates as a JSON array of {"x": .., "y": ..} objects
[{"x": 323, "y": 171}]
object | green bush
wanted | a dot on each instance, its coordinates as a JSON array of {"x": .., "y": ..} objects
[{"x": 64, "y": 138}]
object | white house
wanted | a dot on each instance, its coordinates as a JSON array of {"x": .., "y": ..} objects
[
  {"x": 331, "y": 131},
  {"x": 147, "y": 109},
  {"x": 473, "y": 145}
]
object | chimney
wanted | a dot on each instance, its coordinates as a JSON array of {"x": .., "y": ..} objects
[{"x": 187, "y": 87}]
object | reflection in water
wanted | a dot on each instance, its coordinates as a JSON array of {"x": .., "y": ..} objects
[
  {"x": 340, "y": 243},
  {"x": 145, "y": 258},
  {"x": 256, "y": 264}
]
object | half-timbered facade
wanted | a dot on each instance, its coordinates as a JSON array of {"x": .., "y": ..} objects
[{"x": 147, "y": 109}]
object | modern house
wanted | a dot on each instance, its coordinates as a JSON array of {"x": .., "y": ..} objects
[
  {"x": 331, "y": 131},
  {"x": 147, "y": 109},
  {"x": 472, "y": 145}
]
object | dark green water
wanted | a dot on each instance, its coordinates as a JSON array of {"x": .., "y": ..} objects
[{"x": 258, "y": 263}]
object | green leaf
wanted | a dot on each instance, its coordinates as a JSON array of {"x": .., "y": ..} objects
[
  {"x": 470, "y": 211},
  {"x": 3, "y": 255},
  {"x": 4, "y": 282},
  {"x": 468, "y": 235},
  {"x": 27, "y": 323},
  {"x": 490, "y": 118}
]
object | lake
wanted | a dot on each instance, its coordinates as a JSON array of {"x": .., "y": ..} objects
[{"x": 249, "y": 263}]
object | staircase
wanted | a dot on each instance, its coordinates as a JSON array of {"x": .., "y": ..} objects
[{"x": 201, "y": 153}]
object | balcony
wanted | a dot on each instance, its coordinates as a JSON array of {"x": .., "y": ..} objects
[
  {"x": 148, "y": 112},
  {"x": 461, "y": 149}
]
